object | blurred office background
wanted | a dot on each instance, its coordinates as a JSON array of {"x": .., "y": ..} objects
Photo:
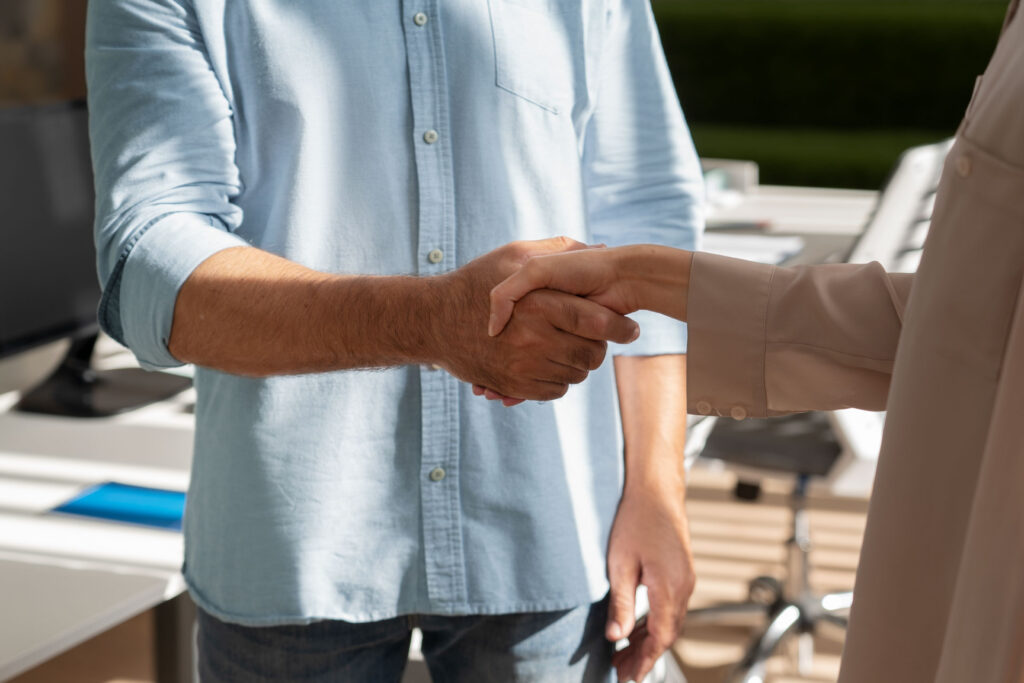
[
  {"x": 41, "y": 43},
  {"x": 41, "y": 61},
  {"x": 818, "y": 92},
  {"x": 825, "y": 92}
]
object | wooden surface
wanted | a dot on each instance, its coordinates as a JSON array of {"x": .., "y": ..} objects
[
  {"x": 123, "y": 654},
  {"x": 734, "y": 541}
]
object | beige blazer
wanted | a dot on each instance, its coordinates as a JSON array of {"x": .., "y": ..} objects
[{"x": 940, "y": 588}]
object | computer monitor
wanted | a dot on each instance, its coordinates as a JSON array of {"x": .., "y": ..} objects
[{"x": 48, "y": 285}]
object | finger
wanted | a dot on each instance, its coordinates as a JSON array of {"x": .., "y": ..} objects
[
  {"x": 662, "y": 621},
  {"x": 576, "y": 355},
  {"x": 552, "y": 371},
  {"x": 624, "y": 579},
  {"x": 540, "y": 390},
  {"x": 478, "y": 390},
  {"x": 647, "y": 659},
  {"x": 622, "y": 658},
  {"x": 589, "y": 319},
  {"x": 627, "y": 660},
  {"x": 534, "y": 275},
  {"x": 506, "y": 401}
]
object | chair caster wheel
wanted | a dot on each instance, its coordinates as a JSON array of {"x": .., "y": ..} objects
[{"x": 765, "y": 590}]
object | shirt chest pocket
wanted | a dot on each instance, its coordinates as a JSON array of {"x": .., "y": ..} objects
[{"x": 533, "y": 51}]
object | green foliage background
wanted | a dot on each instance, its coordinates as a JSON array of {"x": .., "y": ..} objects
[{"x": 825, "y": 92}]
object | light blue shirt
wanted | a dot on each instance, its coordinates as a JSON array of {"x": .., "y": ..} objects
[{"x": 384, "y": 137}]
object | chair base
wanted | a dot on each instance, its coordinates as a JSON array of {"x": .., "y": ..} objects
[
  {"x": 785, "y": 618},
  {"x": 788, "y": 610}
]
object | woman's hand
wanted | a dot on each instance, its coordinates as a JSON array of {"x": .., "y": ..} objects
[
  {"x": 595, "y": 273},
  {"x": 624, "y": 279}
]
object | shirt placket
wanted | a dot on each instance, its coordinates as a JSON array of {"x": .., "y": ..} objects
[{"x": 439, "y": 466}]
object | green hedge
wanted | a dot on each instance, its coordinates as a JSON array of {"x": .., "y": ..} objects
[{"x": 841, "y": 65}]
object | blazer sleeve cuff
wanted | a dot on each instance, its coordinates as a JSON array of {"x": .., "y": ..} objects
[{"x": 727, "y": 306}]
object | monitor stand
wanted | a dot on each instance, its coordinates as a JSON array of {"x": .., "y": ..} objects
[{"x": 76, "y": 389}]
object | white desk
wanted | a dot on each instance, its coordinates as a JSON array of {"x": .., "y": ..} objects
[
  {"x": 65, "y": 579},
  {"x": 49, "y": 608},
  {"x": 795, "y": 210}
]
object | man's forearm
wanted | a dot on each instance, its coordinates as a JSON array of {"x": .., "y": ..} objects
[
  {"x": 652, "y": 398},
  {"x": 249, "y": 312}
]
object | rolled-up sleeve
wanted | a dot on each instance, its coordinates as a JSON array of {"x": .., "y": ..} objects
[
  {"x": 769, "y": 341},
  {"x": 163, "y": 152},
  {"x": 642, "y": 175}
]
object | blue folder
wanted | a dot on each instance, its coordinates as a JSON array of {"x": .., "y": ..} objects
[{"x": 111, "y": 500}]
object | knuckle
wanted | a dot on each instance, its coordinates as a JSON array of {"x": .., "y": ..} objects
[
  {"x": 622, "y": 605},
  {"x": 551, "y": 392},
  {"x": 516, "y": 368},
  {"x": 580, "y": 357},
  {"x": 660, "y": 638},
  {"x": 571, "y": 315},
  {"x": 615, "y": 327},
  {"x": 577, "y": 376},
  {"x": 531, "y": 304}
]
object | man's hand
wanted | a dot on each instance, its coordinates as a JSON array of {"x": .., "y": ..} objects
[
  {"x": 553, "y": 339},
  {"x": 649, "y": 545}
]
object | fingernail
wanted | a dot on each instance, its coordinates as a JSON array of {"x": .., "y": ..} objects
[
  {"x": 636, "y": 334},
  {"x": 614, "y": 631}
]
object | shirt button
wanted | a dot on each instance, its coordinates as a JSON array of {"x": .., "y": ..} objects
[
  {"x": 419, "y": 18},
  {"x": 703, "y": 407},
  {"x": 738, "y": 412},
  {"x": 430, "y": 137},
  {"x": 963, "y": 166},
  {"x": 435, "y": 256},
  {"x": 437, "y": 474}
]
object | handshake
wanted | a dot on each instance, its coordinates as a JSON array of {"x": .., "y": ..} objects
[{"x": 552, "y": 307}]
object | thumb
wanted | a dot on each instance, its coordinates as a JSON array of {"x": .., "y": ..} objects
[
  {"x": 622, "y": 602},
  {"x": 533, "y": 275}
]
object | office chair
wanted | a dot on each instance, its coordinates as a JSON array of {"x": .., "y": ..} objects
[{"x": 820, "y": 444}]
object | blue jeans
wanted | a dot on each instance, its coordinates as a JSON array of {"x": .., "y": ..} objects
[{"x": 543, "y": 647}]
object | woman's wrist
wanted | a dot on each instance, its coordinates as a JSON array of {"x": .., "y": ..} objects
[{"x": 658, "y": 277}]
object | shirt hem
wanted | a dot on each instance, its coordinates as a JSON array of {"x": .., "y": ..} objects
[{"x": 449, "y": 610}]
